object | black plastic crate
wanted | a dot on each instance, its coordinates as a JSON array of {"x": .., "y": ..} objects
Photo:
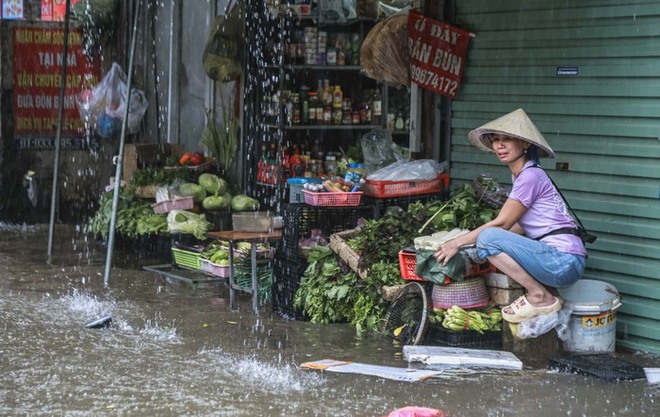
[
  {"x": 382, "y": 204},
  {"x": 300, "y": 219},
  {"x": 286, "y": 280},
  {"x": 605, "y": 366},
  {"x": 440, "y": 336}
]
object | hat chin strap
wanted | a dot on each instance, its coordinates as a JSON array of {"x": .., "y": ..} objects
[{"x": 523, "y": 153}]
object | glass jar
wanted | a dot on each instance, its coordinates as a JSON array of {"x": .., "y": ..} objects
[{"x": 330, "y": 166}]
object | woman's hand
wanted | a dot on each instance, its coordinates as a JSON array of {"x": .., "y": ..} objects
[{"x": 446, "y": 252}]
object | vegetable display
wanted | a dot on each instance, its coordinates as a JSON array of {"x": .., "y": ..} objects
[
  {"x": 135, "y": 217},
  {"x": 330, "y": 292},
  {"x": 189, "y": 189},
  {"x": 212, "y": 184},
  {"x": 241, "y": 202},
  {"x": 487, "y": 319},
  {"x": 186, "y": 222}
]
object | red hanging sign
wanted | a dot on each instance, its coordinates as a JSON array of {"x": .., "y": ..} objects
[
  {"x": 38, "y": 60},
  {"x": 437, "y": 54}
]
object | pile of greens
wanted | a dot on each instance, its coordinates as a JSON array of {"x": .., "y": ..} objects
[
  {"x": 329, "y": 292},
  {"x": 135, "y": 217}
]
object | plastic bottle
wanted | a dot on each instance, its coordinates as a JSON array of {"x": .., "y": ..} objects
[
  {"x": 327, "y": 93},
  {"x": 337, "y": 97},
  {"x": 359, "y": 173},
  {"x": 350, "y": 173}
]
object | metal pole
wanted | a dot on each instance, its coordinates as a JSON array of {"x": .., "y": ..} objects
[
  {"x": 58, "y": 135},
  {"x": 120, "y": 157}
]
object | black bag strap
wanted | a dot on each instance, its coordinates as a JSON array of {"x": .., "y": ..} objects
[{"x": 577, "y": 219}]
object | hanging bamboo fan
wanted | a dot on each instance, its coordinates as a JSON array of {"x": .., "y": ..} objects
[{"x": 384, "y": 52}]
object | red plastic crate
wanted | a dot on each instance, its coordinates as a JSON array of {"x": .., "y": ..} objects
[
  {"x": 334, "y": 199},
  {"x": 385, "y": 189},
  {"x": 408, "y": 263}
]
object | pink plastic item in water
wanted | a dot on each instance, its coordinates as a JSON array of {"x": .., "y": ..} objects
[{"x": 417, "y": 412}]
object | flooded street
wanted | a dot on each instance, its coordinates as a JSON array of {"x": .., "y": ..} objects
[{"x": 174, "y": 351}]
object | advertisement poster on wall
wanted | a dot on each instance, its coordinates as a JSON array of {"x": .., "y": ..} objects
[
  {"x": 12, "y": 9},
  {"x": 38, "y": 60},
  {"x": 437, "y": 54},
  {"x": 54, "y": 10}
]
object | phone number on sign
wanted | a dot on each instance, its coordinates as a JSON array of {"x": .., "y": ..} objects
[{"x": 429, "y": 78}]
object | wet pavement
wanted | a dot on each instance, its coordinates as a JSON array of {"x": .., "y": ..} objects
[{"x": 173, "y": 350}]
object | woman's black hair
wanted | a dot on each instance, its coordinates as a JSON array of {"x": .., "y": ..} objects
[{"x": 533, "y": 153}]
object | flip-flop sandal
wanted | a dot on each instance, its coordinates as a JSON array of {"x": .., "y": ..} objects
[{"x": 523, "y": 310}]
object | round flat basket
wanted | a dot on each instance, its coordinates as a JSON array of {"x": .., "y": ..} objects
[
  {"x": 471, "y": 293},
  {"x": 406, "y": 320}
]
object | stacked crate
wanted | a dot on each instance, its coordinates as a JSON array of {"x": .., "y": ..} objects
[{"x": 299, "y": 221}]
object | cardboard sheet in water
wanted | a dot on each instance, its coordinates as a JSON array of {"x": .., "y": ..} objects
[{"x": 388, "y": 372}]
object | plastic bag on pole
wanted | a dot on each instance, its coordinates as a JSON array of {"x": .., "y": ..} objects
[{"x": 102, "y": 108}]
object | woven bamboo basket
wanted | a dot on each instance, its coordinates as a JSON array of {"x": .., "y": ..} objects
[{"x": 339, "y": 245}]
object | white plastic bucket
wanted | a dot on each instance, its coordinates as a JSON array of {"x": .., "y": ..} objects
[{"x": 592, "y": 325}]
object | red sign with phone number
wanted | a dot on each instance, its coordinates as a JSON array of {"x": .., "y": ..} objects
[
  {"x": 437, "y": 54},
  {"x": 38, "y": 60}
]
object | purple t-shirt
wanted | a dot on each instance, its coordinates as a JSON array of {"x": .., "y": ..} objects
[{"x": 546, "y": 210}]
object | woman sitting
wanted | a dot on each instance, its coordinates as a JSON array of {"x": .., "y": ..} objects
[{"x": 531, "y": 240}]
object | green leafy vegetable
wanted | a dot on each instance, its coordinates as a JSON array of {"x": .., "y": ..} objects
[
  {"x": 187, "y": 222},
  {"x": 212, "y": 184}
]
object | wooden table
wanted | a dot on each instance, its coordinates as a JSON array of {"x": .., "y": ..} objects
[{"x": 253, "y": 237}]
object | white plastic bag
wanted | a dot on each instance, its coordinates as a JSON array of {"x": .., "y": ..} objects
[
  {"x": 539, "y": 325},
  {"x": 102, "y": 108},
  {"x": 419, "y": 170}
]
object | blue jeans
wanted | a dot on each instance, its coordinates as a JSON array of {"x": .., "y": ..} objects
[{"x": 543, "y": 262}]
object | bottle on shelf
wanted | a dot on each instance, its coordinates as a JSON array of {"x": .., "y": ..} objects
[
  {"x": 330, "y": 166},
  {"x": 297, "y": 111},
  {"x": 313, "y": 104},
  {"x": 337, "y": 97},
  {"x": 327, "y": 93},
  {"x": 377, "y": 108},
  {"x": 365, "y": 112},
  {"x": 355, "y": 49},
  {"x": 327, "y": 114}
]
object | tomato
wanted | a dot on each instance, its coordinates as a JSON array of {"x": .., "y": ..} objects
[{"x": 197, "y": 158}]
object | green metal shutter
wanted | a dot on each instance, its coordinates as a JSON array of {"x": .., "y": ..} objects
[{"x": 604, "y": 123}]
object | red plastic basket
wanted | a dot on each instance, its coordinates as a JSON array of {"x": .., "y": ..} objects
[
  {"x": 385, "y": 189},
  {"x": 332, "y": 199},
  {"x": 408, "y": 263}
]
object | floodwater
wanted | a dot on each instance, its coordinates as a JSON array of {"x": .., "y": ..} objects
[{"x": 173, "y": 350}]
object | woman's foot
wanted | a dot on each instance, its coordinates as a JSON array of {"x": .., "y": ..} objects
[{"x": 522, "y": 309}]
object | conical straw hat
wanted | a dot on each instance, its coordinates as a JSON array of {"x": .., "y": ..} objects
[{"x": 515, "y": 124}]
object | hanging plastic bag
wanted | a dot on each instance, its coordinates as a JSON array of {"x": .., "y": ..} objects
[
  {"x": 337, "y": 11},
  {"x": 379, "y": 150},
  {"x": 102, "y": 108},
  {"x": 222, "y": 50}
]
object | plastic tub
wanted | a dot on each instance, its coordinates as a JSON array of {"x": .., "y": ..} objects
[
  {"x": 592, "y": 325},
  {"x": 296, "y": 188},
  {"x": 252, "y": 221}
]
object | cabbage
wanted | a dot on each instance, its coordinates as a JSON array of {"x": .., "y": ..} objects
[
  {"x": 241, "y": 202},
  {"x": 217, "y": 202},
  {"x": 212, "y": 184},
  {"x": 187, "y": 222},
  {"x": 189, "y": 189}
]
